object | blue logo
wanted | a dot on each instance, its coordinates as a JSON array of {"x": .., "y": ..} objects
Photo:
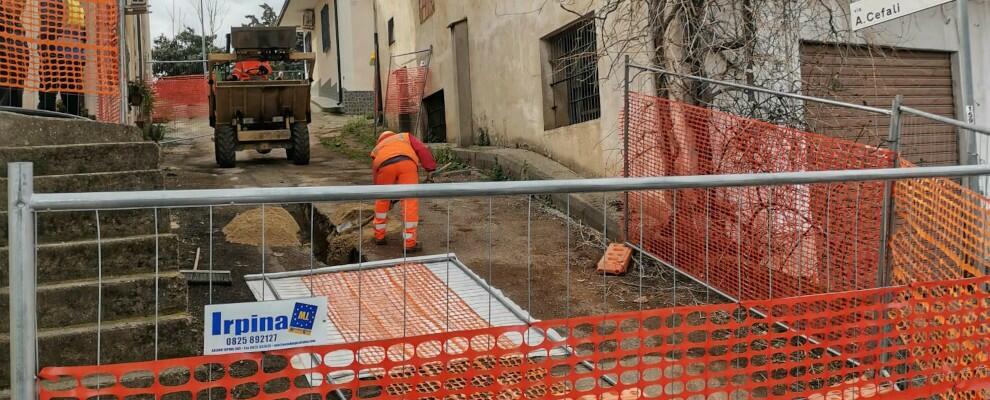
[
  {"x": 302, "y": 321},
  {"x": 303, "y": 318}
]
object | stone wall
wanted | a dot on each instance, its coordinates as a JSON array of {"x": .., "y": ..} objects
[{"x": 359, "y": 102}]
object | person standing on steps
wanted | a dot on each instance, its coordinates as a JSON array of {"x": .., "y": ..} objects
[{"x": 395, "y": 160}]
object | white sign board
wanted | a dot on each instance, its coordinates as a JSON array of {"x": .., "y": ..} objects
[
  {"x": 864, "y": 13},
  {"x": 264, "y": 326}
]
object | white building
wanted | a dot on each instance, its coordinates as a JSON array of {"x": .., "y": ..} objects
[{"x": 341, "y": 33}]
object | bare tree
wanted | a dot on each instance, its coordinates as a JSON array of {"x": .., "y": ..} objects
[
  {"x": 176, "y": 19},
  {"x": 755, "y": 42},
  {"x": 215, "y": 13}
]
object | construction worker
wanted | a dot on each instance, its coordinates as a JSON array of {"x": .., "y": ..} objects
[
  {"x": 396, "y": 160},
  {"x": 248, "y": 70}
]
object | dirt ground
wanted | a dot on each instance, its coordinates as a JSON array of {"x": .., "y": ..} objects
[{"x": 491, "y": 236}]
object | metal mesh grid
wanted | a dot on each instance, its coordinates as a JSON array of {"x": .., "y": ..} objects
[{"x": 913, "y": 341}]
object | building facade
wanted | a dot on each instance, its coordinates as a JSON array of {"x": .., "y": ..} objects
[
  {"x": 341, "y": 33},
  {"x": 547, "y": 76}
]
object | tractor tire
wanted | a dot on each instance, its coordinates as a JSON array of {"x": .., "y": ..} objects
[
  {"x": 299, "y": 151},
  {"x": 225, "y": 146}
]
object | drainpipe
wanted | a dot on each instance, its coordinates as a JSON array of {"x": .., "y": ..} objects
[
  {"x": 340, "y": 79},
  {"x": 378, "y": 57}
]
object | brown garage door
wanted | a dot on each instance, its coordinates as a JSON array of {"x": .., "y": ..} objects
[{"x": 873, "y": 76}]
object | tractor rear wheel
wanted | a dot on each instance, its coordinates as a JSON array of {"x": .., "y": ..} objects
[
  {"x": 225, "y": 145},
  {"x": 299, "y": 151}
]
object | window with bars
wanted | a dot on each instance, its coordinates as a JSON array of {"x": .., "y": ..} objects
[{"x": 573, "y": 75}]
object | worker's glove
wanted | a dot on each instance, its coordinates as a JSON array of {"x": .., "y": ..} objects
[{"x": 429, "y": 177}]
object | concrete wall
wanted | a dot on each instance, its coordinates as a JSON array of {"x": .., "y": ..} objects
[{"x": 506, "y": 68}]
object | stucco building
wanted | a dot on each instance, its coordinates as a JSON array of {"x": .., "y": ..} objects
[{"x": 520, "y": 73}]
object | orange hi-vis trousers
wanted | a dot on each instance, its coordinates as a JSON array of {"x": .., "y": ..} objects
[{"x": 402, "y": 172}]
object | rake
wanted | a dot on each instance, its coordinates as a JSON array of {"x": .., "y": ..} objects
[{"x": 196, "y": 275}]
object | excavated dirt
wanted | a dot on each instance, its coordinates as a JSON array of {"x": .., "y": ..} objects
[{"x": 281, "y": 230}]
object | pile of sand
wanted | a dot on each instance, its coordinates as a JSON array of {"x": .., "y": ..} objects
[{"x": 281, "y": 230}]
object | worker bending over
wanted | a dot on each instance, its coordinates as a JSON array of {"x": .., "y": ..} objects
[{"x": 396, "y": 160}]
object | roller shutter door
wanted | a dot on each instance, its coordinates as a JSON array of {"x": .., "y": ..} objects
[{"x": 873, "y": 76}]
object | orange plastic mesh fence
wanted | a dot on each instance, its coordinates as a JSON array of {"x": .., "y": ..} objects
[
  {"x": 404, "y": 93},
  {"x": 927, "y": 340},
  {"x": 178, "y": 97},
  {"x": 396, "y": 290},
  {"x": 942, "y": 232},
  {"x": 754, "y": 242},
  {"x": 68, "y": 46}
]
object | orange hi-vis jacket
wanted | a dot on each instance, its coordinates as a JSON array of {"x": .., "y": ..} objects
[{"x": 391, "y": 147}]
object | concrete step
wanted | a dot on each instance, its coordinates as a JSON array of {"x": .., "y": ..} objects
[
  {"x": 83, "y": 158},
  {"x": 69, "y": 226},
  {"x": 148, "y": 179},
  {"x": 60, "y": 262},
  {"x": 123, "y": 297},
  {"x": 120, "y": 341},
  {"x": 18, "y": 130}
]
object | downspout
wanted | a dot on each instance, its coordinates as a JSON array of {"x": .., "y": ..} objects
[
  {"x": 340, "y": 79},
  {"x": 378, "y": 68}
]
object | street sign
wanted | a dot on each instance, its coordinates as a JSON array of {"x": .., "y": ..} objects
[
  {"x": 865, "y": 13},
  {"x": 268, "y": 325}
]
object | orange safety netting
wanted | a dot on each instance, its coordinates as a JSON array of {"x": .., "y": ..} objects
[
  {"x": 67, "y": 46},
  {"x": 404, "y": 93},
  {"x": 396, "y": 290},
  {"x": 186, "y": 96},
  {"x": 927, "y": 340},
  {"x": 752, "y": 242},
  {"x": 942, "y": 231}
]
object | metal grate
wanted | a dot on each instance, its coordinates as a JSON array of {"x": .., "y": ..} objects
[{"x": 574, "y": 60}]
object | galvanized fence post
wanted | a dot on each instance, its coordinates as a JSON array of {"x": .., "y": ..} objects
[
  {"x": 122, "y": 58},
  {"x": 625, "y": 146},
  {"x": 23, "y": 302},
  {"x": 887, "y": 214}
]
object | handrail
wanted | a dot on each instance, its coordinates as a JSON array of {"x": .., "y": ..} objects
[
  {"x": 218, "y": 197},
  {"x": 768, "y": 91},
  {"x": 951, "y": 121}
]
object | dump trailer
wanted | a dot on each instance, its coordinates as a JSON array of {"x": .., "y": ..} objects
[{"x": 255, "y": 107}]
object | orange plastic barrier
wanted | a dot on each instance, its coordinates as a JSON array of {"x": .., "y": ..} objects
[
  {"x": 942, "y": 231},
  {"x": 404, "y": 93},
  {"x": 186, "y": 96},
  {"x": 753, "y": 242},
  {"x": 68, "y": 46},
  {"x": 918, "y": 341}
]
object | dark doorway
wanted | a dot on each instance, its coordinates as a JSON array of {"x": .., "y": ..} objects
[{"x": 436, "y": 119}]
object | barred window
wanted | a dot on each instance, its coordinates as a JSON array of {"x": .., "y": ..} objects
[{"x": 574, "y": 75}]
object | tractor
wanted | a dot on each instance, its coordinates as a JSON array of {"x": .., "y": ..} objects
[{"x": 255, "y": 107}]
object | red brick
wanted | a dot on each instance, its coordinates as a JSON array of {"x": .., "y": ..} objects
[{"x": 615, "y": 261}]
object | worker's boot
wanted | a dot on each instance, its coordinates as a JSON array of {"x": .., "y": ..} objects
[{"x": 415, "y": 249}]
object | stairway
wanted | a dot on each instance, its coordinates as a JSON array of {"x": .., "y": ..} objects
[{"x": 77, "y": 156}]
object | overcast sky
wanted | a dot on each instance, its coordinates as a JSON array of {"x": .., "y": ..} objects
[{"x": 162, "y": 12}]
